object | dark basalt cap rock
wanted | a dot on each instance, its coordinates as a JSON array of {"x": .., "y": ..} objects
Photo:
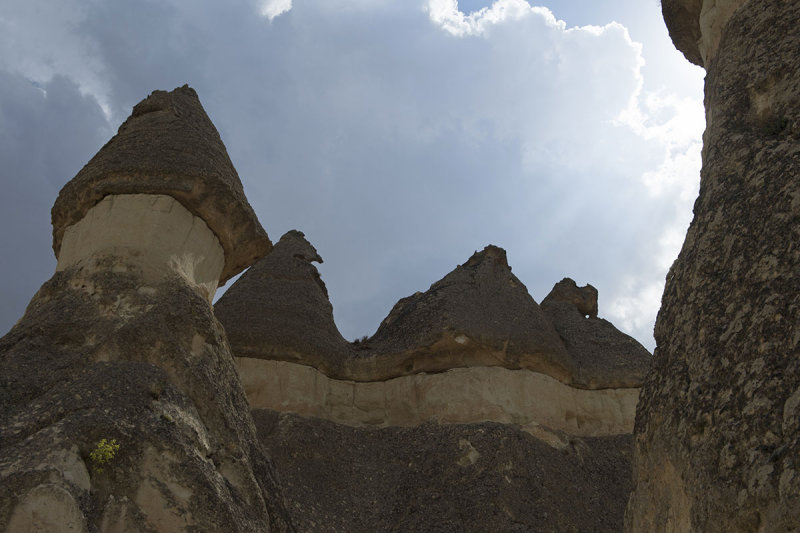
[
  {"x": 603, "y": 355},
  {"x": 169, "y": 146},
  {"x": 479, "y": 314},
  {"x": 683, "y": 22},
  {"x": 279, "y": 309}
]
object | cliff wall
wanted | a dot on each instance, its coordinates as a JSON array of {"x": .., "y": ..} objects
[{"x": 718, "y": 423}]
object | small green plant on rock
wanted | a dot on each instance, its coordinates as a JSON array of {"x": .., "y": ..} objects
[{"x": 104, "y": 451}]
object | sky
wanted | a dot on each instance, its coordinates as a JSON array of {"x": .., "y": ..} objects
[{"x": 399, "y": 135}]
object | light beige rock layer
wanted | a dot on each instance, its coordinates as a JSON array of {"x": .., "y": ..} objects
[
  {"x": 151, "y": 231},
  {"x": 458, "y": 396}
]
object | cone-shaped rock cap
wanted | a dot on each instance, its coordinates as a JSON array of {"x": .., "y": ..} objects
[
  {"x": 482, "y": 307},
  {"x": 169, "y": 146},
  {"x": 279, "y": 309}
]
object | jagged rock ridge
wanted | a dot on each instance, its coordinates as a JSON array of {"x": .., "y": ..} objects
[
  {"x": 478, "y": 315},
  {"x": 420, "y": 401}
]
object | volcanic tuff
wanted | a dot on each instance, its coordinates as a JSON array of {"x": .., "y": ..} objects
[
  {"x": 169, "y": 146},
  {"x": 279, "y": 309},
  {"x": 478, "y": 315},
  {"x": 121, "y": 344},
  {"x": 459, "y": 477},
  {"x": 453, "y": 416},
  {"x": 718, "y": 424}
]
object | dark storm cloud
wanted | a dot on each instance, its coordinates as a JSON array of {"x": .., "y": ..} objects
[{"x": 46, "y": 132}]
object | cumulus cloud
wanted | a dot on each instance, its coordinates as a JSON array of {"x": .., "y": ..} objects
[
  {"x": 402, "y": 136},
  {"x": 273, "y": 8}
]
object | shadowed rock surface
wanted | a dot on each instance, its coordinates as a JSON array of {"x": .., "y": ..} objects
[
  {"x": 718, "y": 423},
  {"x": 603, "y": 355},
  {"x": 476, "y": 477},
  {"x": 395, "y": 447},
  {"x": 95, "y": 357},
  {"x": 478, "y": 315},
  {"x": 122, "y": 344},
  {"x": 279, "y": 309},
  {"x": 169, "y": 146}
]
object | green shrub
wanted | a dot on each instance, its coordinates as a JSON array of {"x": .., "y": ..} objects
[{"x": 104, "y": 451}]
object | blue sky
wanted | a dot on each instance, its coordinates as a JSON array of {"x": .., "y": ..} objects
[{"x": 400, "y": 136}]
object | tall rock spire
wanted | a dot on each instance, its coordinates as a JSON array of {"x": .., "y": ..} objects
[{"x": 120, "y": 407}]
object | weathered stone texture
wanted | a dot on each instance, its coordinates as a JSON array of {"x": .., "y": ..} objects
[
  {"x": 603, "y": 356},
  {"x": 102, "y": 354},
  {"x": 718, "y": 424},
  {"x": 122, "y": 344},
  {"x": 279, "y": 309},
  {"x": 465, "y": 478},
  {"x": 169, "y": 146},
  {"x": 479, "y": 314},
  {"x": 457, "y": 396}
]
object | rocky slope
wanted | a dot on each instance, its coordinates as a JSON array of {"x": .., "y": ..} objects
[
  {"x": 120, "y": 407},
  {"x": 718, "y": 424},
  {"x": 459, "y": 478}
]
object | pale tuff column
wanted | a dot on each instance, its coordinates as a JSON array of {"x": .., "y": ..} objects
[{"x": 151, "y": 232}]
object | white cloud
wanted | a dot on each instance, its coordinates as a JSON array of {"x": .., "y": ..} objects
[
  {"x": 273, "y": 8},
  {"x": 41, "y": 39},
  {"x": 446, "y": 14},
  {"x": 402, "y": 136},
  {"x": 635, "y": 309}
]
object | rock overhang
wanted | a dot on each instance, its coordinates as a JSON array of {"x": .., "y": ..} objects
[
  {"x": 169, "y": 146},
  {"x": 696, "y": 26}
]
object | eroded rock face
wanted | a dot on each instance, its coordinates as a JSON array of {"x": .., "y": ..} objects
[
  {"x": 604, "y": 357},
  {"x": 480, "y": 314},
  {"x": 457, "y": 396},
  {"x": 100, "y": 355},
  {"x": 122, "y": 345},
  {"x": 718, "y": 425},
  {"x": 169, "y": 146},
  {"x": 584, "y": 299},
  {"x": 444, "y": 356},
  {"x": 154, "y": 232}
]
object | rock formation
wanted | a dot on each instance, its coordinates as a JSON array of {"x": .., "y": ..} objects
[
  {"x": 718, "y": 424},
  {"x": 474, "y": 347},
  {"x": 279, "y": 309},
  {"x": 120, "y": 407},
  {"x": 602, "y": 356},
  {"x": 471, "y": 383},
  {"x": 445, "y": 478}
]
